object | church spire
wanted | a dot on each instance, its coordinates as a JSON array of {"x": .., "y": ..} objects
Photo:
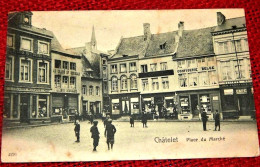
[{"x": 93, "y": 39}]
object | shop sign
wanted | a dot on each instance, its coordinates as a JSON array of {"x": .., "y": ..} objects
[
  {"x": 241, "y": 91},
  {"x": 26, "y": 89},
  {"x": 236, "y": 82},
  {"x": 207, "y": 68},
  {"x": 228, "y": 92},
  {"x": 187, "y": 70}
]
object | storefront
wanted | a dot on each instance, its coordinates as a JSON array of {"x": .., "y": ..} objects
[
  {"x": 237, "y": 100},
  {"x": 192, "y": 103}
]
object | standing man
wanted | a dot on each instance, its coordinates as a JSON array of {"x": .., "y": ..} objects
[
  {"x": 144, "y": 119},
  {"x": 77, "y": 130},
  {"x": 110, "y": 134},
  {"x": 95, "y": 135},
  {"x": 132, "y": 121},
  {"x": 204, "y": 118},
  {"x": 217, "y": 121}
]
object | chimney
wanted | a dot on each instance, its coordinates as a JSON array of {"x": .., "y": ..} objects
[
  {"x": 220, "y": 18},
  {"x": 180, "y": 28},
  {"x": 147, "y": 32}
]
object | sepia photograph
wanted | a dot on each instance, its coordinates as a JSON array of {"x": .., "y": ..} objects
[{"x": 128, "y": 85}]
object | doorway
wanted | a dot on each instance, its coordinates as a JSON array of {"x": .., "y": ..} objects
[
  {"x": 194, "y": 105},
  {"x": 243, "y": 103},
  {"x": 24, "y": 107}
]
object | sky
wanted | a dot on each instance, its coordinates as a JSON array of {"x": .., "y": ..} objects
[{"x": 74, "y": 28}]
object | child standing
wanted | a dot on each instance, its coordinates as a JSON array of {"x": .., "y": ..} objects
[{"x": 132, "y": 121}]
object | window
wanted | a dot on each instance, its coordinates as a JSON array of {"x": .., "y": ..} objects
[
  {"x": 213, "y": 78},
  {"x": 155, "y": 84},
  {"x": 239, "y": 68},
  {"x": 72, "y": 66},
  {"x": 202, "y": 62},
  {"x": 105, "y": 86},
  {"x": 90, "y": 90},
  {"x": 104, "y": 62},
  {"x": 42, "y": 72},
  {"x": 84, "y": 89},
  {"x": 182, "y": 64},
  {"x": 204, "y": 79},
  {"x": 65, "y": 81},
  {"x": 153, "y": 67},
  {"x": 57, "y": 81},
  {"x": 145, "y": 84},
  {"x": 114, "y": 84},
  {"x": 245, "y": 45},
  {"x": 97, "y": 90},
  {"x": 43, "y": 48},
  {"x": 211, "y": 61},
  {"x": 65, "y": 65},
  {"x": 238, "y": 45},
  {"x": 226, "y": 72},
  {"x": 165, "y": 82},
  {"x": 144, "y": 68},
  {"x": 163, "y": 46},
  {"x": 132, "y": 66},
  {"x": 183, "y": 80},
  {"x": 9, "y": 68},
  {"x": 42, "y": 106},
  {"x": 193, "y": 79},
  {"x": 57, "y": 64},
  {"x": 10, "y": 41},
  {"x": 25, "y": 70},
  {"x": 72, "y": 82},
  {"x": 104, "y": 72},
  {"x": 133, "y": 82},
  {"x": 164, "y": 66},
  {"x": 123, "y": 83},
  {"x": 191, "y": 63},
  {"x": 114, "y": 68},
  {"x": 26, "y": 44},
  {"x": 122, "y": 68},
  {"x": 223, "y": 47}
]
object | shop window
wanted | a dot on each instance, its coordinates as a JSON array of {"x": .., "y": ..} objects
[
  {"x": 9, "y": 68},
  {"x": 97, "y": 91},
  {"x": 193, "y": 79},
  {"x": 239, "y": 68},
  {"x": 155, "y": 84},
  {"x": 65, "y": 65},
  {"x": 122, "y": 68},
  {"x": 213, "y": 78},
  {"x": 65, "y": 81},
  {"x": 114, "y": 68},
  {"x": 43, "y": 48},
  {"x": 133, "y": 80},
  {"x": 183, "y": 80},
  {"x": 7, "y": 106},
  {"x": 169, "y": 103},
  {"x": 144, "y": 68},
  {"x": 42, "y": 106},
  {"x": 181, "y": 64},
  {"x": 25, "y": 70},
  {"x": 184, "y": 104},
  {"x": 57, "y": 80},
  {"x": 205, "y": 103},
  {"x": 114, "y": 84},
  {"x": 226, "y": 71},
  {"x": 228, "y": 102},
  {"x": 165, "y": 82},
  {"x": 204, "y": 78},
  {"x": 132, "y": 66},
  {"x": 123, "y": 83},
  {"x": 192, "y": 63},
  {"x": 84, "y": 89},
  {"x": 10, "y": 40},
  {"x": 90, "y": 90},
  {"x": 145, "y": 85},
  {"x": 153, "y": 67},
  {"x": 163, "y": 66},
  {"x": 42, "y": 72},
  {"x": 57, "y": 64},
  {"x": 72, "y": 66},
  {"x": 72, "y": 82},
  {"x": 115, "y": 106},
  {"x": 26, "y": 44}
]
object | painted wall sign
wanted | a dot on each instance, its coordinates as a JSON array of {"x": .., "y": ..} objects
[
  {"x": 208, "y": 68},
  {"x": 241, "y": 91}
]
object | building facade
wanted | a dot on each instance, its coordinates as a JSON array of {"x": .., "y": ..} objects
[{"x": 27, "y": 71}]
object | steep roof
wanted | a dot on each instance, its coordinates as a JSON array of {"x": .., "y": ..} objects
[
  {"x": 77, "y": 51},
  {"x": 41, "y": 31},
  {"x": 239, "y": 22},
  {"x": 130, "y": 46},
  {"x": 167, "y": 39},
  {"x": 196, "y": 42}
]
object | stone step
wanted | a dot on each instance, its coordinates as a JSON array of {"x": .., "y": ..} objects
[{"x": 245, "y": 118}]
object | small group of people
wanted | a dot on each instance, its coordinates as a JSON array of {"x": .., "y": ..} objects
[
  {"x": 110, "y": 131},
  {"x": 144, "y": 120},
  {"x": 204, "y": 119}
]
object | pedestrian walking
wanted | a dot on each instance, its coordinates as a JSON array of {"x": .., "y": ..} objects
[
  {"x": 95, "y": 135},
  {"x": 91, "y": 118},
  {"x": 204, "y": 118},
  {"x": 76, "y": 116},
  {"x": 77, "y": 131},
  {"x": 144, "y": 120},
  {"x": 132, "y": 121},
  {"x": 106, "y": 121},
  {"x": 217, "y": 120},
  {"x": 110, "y": 134}
]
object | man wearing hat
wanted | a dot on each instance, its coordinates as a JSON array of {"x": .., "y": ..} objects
[
  {"x": 77, "y": 130},
  {"x": 95, "y": 134},
  {"x": 110, "y": 133},
  {"x": 204, "y": 118}
]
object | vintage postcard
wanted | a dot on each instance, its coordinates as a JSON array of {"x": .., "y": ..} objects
[{"x": 128, "y": 85}]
